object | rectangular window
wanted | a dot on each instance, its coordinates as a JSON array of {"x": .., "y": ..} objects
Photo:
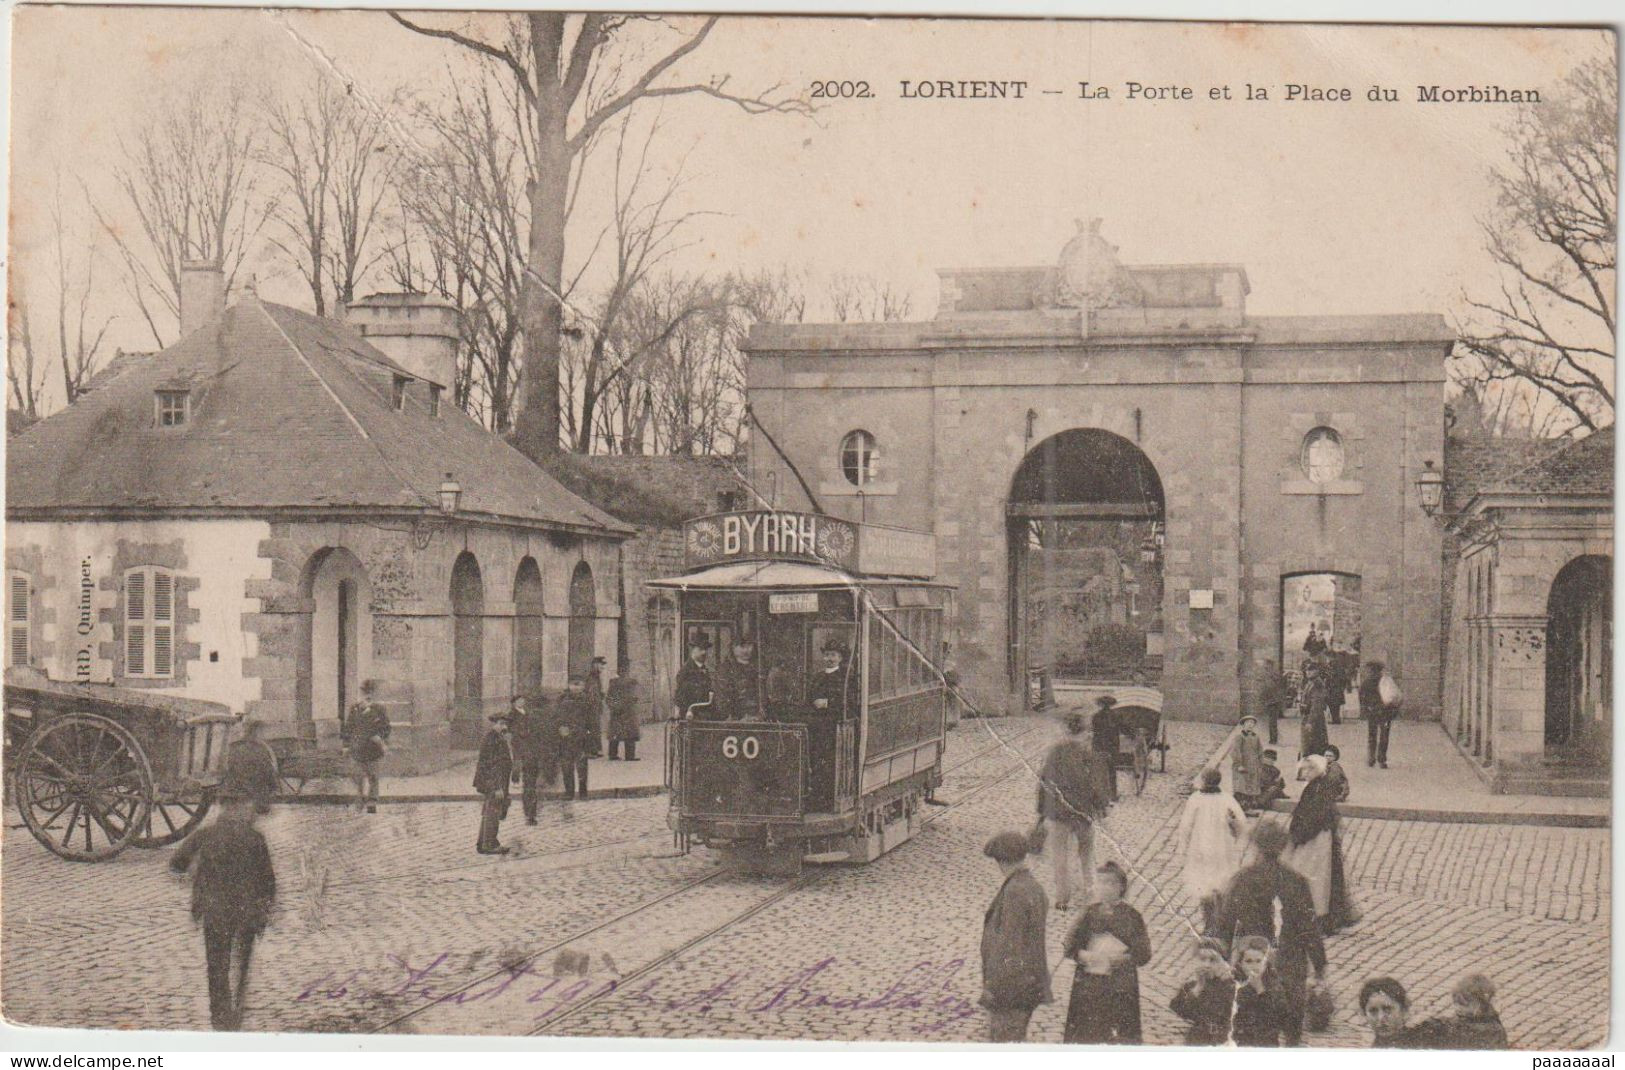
[
  {"x": 434, "y": 399},
  {"x": 400, "y": 393},
  {"x": 173, "y": 407},
  {"x": 18, "y": 589},
  {"x": 149, "y": 623}
]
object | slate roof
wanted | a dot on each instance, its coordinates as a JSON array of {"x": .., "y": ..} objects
[
  {"x": 1485, "y": 464},
  {"x": 288, "y": 411}
]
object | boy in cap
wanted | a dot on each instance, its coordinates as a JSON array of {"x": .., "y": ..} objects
[
  {"x": 1015, "y": 971},
  {"x": 233, "y": 887},
  {"x": 1246, "y": 763},
  {"x": 492, "y": 774},
  {"x": 366, "y": 735}
]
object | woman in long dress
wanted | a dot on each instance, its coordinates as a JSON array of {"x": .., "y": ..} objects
[
  {"x": 1313, "y": 848},
  {"x": 1212, "y": 836}
]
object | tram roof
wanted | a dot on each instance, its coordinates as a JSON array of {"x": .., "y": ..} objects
[{"x": 774, "y": 575}]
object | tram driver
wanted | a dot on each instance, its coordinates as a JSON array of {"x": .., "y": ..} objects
[
  {"x": 694, "y": 686},
  {"x": 829, "y": 695}
]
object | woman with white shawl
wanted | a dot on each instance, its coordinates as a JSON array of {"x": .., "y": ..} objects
[{"x": 1212, "y": 837}]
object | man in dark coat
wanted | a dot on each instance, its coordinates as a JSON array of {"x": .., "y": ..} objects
[
  {"x": 1379, "y": 716},
  {"x": 829, "y": 702},
  {"x": 574, "y": 727},
  {"x": 1314, "y": 644},
  {"x": 1249, "y": 908},
  {"x": 1070, "y": 797},
  {"x": 251, "y": 768},
  {"x": 366, "y": 737},
  {"x": 694, "y": 685},
  {"x": 739, "y": 684},
  {"x": 492, "y": 774},
  {"x": 527, "y": 732},
  {"x": 1105, "y": 731},
  {"x": 1015, "y": 969},
  {"x": 624, "y": 699},
  {"x": 233, "y": 888}
]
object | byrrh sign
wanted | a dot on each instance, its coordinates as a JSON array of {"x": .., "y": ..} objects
[{"x": 770, "y": 535}]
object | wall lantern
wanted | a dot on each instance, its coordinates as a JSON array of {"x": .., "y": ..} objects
[
  {"x": 451, "y": 493},
  {"x": 1430, "y": 488}
]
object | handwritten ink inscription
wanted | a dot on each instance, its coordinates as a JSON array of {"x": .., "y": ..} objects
[{"x": 931, "y": 988}]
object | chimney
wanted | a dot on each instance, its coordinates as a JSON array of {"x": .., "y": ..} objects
[
  {"x": 416, "y": 331},
  {"x": 203, "y": 293}
]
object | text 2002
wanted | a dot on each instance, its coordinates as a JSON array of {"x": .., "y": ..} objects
[{"x": 841, "y": 90}]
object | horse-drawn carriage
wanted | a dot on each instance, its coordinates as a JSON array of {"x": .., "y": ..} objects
[{"x": 94, "y": 769}]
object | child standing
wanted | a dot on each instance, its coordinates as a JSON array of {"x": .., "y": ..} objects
[
  {"x": 1109, "y": 944},
  {"x": 1260, "y": 1009},
  {"x": 1272, "y": 785},
  {"x": 1205, "y": 1000},
  {"x": 1246, "y": 763}
]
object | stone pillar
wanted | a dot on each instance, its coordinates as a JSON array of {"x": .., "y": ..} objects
[{"x": 1518, "y": 696}]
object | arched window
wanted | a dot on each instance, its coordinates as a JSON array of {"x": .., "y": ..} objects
[
  {"x": 1322, "y": 455},
  {"x": 860, "y": 459}
]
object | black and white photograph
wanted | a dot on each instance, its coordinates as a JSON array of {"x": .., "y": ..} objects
[{"x": 752, "y": 527}]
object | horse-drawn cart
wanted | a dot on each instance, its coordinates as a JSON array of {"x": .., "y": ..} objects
[
  {"x": 94, "y": 769},
  {"x": 1140, "y": 731}
]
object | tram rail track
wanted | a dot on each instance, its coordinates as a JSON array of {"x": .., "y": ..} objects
[{"x": 451, "y": 997}]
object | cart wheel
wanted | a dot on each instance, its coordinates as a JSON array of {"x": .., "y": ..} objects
[
  {"x": 1142, "y": 763},
  {"x": 84, "y": 787},
  {"x": 173, "y": 819}
]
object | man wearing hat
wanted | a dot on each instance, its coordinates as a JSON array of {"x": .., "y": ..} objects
[
  {"x": 694, "y": 686},
  {"x": 492, "y": 774},
  {"x": 233, "y": 887},
  {"x": 624, "y": 699},
  {"x": 574, "y": 728},
  {"x": 1246, "y": 763},
  {"x": 828, "y": 701},
  {"x": 1105, "y": 733},
  {"x": 1015, "y": 970},
  {"x": 739, "y": 684}
]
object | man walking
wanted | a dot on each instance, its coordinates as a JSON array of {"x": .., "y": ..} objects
[
  {"x": 624, "y": 699},
  {"x": 1378, "y": 714},
  {"x": 694, "y": 686},
  {"x": 1272, "y": 697},
  {"x": 1259, "y": 894},
  {"x": 1015, "y": 971},
  {"x": 492, "y": 774},
  {"x": 1070, "y": 800},
  {"x": 529, "y": 740},
  {"x": 366, "y": 736},
  {"x": 233, "y": 888}
]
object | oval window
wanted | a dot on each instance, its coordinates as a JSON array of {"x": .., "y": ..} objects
[
  {"x": 1322, "y": 457},
  {"x": 859, "y": 458}
]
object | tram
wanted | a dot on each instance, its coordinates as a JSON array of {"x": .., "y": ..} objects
[{"x": 814, "y": 712}]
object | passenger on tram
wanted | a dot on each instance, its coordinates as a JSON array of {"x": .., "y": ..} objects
[
  {"x": 694, "y": 684},
  {"x": 739, "y": 684}
]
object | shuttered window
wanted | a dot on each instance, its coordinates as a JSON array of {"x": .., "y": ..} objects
[
  {"x": 149, "y": 623},
  {"x": 18, "y": 615}
]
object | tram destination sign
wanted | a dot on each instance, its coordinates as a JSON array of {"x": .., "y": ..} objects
[{"x": 772, "y": 535}]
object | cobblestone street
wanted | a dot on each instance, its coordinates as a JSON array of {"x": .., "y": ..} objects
[{"x": 392, "y": 923}]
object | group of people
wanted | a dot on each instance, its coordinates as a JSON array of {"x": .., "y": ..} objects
[
  {"x": 540, "y": 745},
  {"x": 1268, "y": 897}
]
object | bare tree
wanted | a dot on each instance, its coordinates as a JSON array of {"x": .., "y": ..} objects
[
  {"x": 1549, "y": 331},
  {"x": 643, "y": 232},
  {"x": 864, "y": 298},
  {"x": 25, "y": 371},
  {"x": 464, "y": 217},
  {"x": 79, "y": 340},
  {"x": 571, "y": 85},
  {"x": 331, "y": 157},
  {"x": 191, "y": 181}
]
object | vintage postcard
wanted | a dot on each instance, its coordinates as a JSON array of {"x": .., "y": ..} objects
[{"x": 546, "y": 524}]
